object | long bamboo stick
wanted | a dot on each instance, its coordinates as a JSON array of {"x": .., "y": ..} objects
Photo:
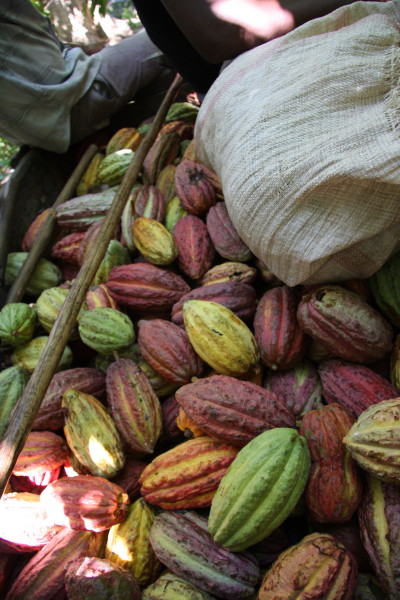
[
  {"x": 20, "y": 283},
  {"x": 29, "y": 403}
]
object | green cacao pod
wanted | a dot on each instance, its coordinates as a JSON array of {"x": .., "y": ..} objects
[
  {"x": 384, "y": 285},
  {"x": 170, "y": 587},
  {"x": 260, "y": 489},
  {"x": 106, "y": 329},
  {"x": 114, "y": 166},
  {"x": 45, "y": 275},
  {"x": 374, "y": 440},
  {"x": 17, "y": 324},
  {"x": 13, "y": 381},
  {"x": 92, "y": 434},
  {"x": 173, "y": 212},
  {"x": 128, "y": 544},
  {"x": 28, "y": 355}
]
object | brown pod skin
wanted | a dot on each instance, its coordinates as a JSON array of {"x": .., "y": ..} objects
[
  {"x": 43, "y": 577},
  {"x": 348, "y": 534},
  {"x": 134, "y": 405},
  {"x": 148, "y": 201},
  {"x": 170, "y": 411},
  {"x": 98, "y": 295},
  {"x": 334, "y": 488},
  {"x": 163, "y": 152},
  {"x": 317, "y": 567},
  {"x": 128, "y": 477},
  {"x": 145, "y": 287},
  {"x": 232, "y": 410},
  {"x": 42, "y": 451},
  {"x": 167, "y": 349},
  {"x": 224, "y": 236},
  {"x": 85, "y": 379},
  {"x": 195, "y": 249},
  {"x": 34, "y": 230},
  {"x": 379, "y": 518},
  {"x": 165, "y": 182},
  {"x": 88, "y": 240},
  {"x": 194, "y": 187},
  {"x": 324, "y": 429},
  {"x": 239, "y": 297},
  {"x": 188, "y": 475},
  {"x": 298, "y": 388},
  {"x": 24, "y": 523},
  {"x": 353, "y": 386},
  {"x": 67, "y": 248},
  {"x": 85, "y": 502},
  {"x": 281, "y": 340},
  {"x": 344, "y": 324}
]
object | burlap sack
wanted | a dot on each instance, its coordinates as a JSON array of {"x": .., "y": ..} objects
[{"x": 304, "y": 134}]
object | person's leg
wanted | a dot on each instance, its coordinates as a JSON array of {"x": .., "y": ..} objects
[{"x": 126, "y": 68}]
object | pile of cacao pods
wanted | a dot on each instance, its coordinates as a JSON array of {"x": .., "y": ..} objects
[{"x": 210, "y": 432}]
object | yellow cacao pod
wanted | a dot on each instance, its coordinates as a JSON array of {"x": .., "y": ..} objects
[{"x": 219, "y": 337}]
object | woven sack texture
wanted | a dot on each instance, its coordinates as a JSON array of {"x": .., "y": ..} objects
[{"x": 303, "y": 132}]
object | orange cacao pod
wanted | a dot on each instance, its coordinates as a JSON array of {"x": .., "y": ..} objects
[{"x": 188, "y": 475}]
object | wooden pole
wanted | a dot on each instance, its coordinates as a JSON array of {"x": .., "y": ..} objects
[
  {"x": 29, "y": 403},
  {"x": 20, "y": 283}
]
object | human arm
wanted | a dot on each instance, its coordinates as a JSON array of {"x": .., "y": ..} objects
[{"x": 222, "y": 29}]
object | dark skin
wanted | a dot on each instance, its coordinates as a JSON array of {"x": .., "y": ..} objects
[{"x": 222, "y": 29}]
